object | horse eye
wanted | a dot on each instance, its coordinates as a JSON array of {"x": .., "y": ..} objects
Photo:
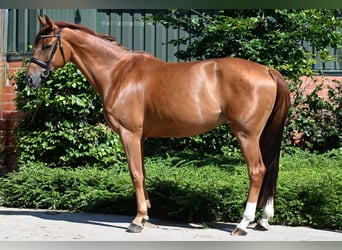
[{"x": 46, "y": 46}]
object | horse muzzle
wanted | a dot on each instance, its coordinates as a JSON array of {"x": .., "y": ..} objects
[{"x": 36, "y": 80}]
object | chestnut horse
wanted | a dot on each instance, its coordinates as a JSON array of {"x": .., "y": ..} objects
[{"x": 144, "y": 97}]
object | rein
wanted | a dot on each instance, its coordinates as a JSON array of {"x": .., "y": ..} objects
[{"x": 46, "y": 65}]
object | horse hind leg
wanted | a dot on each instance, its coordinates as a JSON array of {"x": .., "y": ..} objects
[
  {"x": 256, "y": 170},
  {"x": 268, "y": 212}
]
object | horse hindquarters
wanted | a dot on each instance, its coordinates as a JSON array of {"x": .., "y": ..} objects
[
  {"x": 260, "y": 145},
  {"x": 270, "y": 144}
]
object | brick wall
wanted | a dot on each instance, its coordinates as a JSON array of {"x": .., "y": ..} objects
[
  {"x": 8, "y": 118},
  {"x": 310, "y": 84}
]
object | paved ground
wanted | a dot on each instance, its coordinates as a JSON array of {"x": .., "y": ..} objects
[{"x": 27, "y": 224}]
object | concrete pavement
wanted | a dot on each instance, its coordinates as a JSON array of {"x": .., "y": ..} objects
[{"x": 47, "y": 225}]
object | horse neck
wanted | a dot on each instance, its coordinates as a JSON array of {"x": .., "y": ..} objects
[{"x": 96, "y": 58}]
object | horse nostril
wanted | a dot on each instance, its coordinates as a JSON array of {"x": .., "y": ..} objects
[{"x": 29, "y": 81}]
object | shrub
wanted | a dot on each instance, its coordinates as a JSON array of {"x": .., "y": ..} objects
[
  {"x": 187, "y": 189},
  {"x": 316, "y": 118},
  {"x": 80, "y": 189},
  {"x": 310, "y": 190},
  {"x": 63, "y": 123}
]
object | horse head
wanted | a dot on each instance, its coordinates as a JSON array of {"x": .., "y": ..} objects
[{"x": 49, "y": 53}]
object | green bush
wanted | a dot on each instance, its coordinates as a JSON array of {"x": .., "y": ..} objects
[
  {"x": 310, "y": 190},
  {"x": 318, "y": 118},
  {"x": 63, "y": 124},
  {"x": 81, "y": 189},
  {"x": 187, "y": 189}
]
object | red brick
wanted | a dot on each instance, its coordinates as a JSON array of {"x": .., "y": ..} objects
[
  {"x": 15, "y": 63},
  {"x": 9, "y": 106},
  {"x": 11, "y": 71},
  {"x": 11, "y": 115},
  {"x": 10, "y": 89},
  {"x": 310, "y": 86},
  {"x": 7, "y": 125},
  {"x": 7, "y": 97}
]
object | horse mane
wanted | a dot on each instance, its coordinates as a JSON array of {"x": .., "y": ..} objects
[{"x": 47, "y": 29}]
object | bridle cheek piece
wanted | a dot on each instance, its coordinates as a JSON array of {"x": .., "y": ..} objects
[{"x": 46, "y": 65}]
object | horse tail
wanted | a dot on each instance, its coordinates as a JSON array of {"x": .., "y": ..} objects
[{"x": 270, "y": 140}]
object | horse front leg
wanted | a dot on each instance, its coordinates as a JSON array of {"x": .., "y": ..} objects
[{"x": 133, "y": 148}]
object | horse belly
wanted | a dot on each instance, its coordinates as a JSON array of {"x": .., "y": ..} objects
[{"x": 182, "y": 123}]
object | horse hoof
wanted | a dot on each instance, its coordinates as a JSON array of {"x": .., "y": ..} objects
[
  {"x": 134, "y": 228},
  {"x": 239, "y": 232},
  {"x": 262, "y": 227}
]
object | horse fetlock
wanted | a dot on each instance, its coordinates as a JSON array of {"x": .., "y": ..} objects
[
  {"x": 145, "y": 218},
  {"x": 141, "y": 217},
  {"x": 243, "y": 223}
]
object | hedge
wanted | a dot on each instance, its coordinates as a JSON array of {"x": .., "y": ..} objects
[{"x": 186, "y": 189}]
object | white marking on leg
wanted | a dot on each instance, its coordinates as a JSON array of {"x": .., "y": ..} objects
[
  {"x": 267, "y": 214},
  {"x": 248, "y": 215},
  {"x": 269, "y": 209}
]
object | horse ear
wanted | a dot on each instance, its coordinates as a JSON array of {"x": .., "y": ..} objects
[
  {"x": 51, "y": 23},
  {"x": 42, "y": 21}
]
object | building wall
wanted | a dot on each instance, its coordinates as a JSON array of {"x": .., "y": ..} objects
[
  {"x": 127, "y": 26},
  {"x": 2, "y": 83},
  {"x": 310, "y": 84},
  {"x": 9, "y": 115}
]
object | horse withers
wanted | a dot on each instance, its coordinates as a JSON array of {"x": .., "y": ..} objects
[{"x": 145, "y": 97}]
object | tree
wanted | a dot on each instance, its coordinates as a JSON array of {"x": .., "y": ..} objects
[{"x": 271, "y": 37}]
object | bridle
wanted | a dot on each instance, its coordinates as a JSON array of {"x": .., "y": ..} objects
[{"x": 46, "y": 65}]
